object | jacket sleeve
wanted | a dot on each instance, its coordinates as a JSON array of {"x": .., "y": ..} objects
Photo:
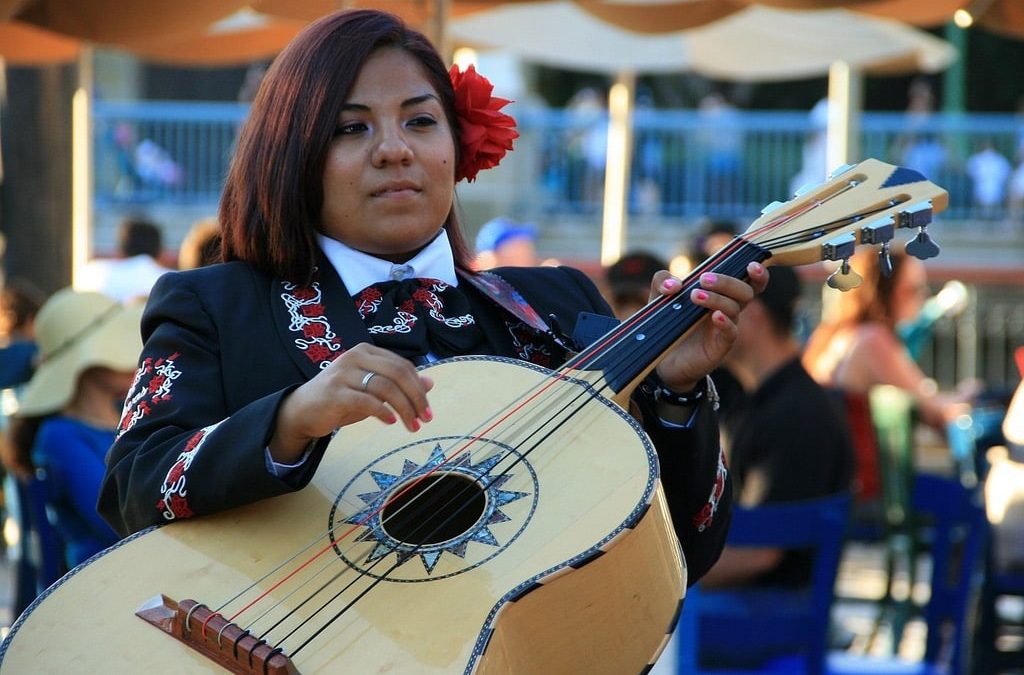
[
  {"x": 180, "y": 451},
  {"x": 696, "y": 481}
]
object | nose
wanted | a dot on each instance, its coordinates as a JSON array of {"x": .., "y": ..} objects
[{"x": 392, "y": 148}]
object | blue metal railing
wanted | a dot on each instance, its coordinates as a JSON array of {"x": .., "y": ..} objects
[
  {"x": 684, "y": 164},
  {"x": 163, "y": 152}
]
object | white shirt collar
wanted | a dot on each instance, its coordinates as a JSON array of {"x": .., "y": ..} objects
[{"x": 358, "y": 270}]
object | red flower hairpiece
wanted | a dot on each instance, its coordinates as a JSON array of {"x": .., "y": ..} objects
[{"x": 487, "y": 133}]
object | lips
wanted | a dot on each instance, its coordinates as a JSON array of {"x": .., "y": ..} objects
[{"x": 395, "y": 188}]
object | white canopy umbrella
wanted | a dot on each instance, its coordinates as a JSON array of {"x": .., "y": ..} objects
[{"x": 755, "y": 44}]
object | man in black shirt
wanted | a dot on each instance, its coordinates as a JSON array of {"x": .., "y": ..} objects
[{"x": 786, "y": 441}]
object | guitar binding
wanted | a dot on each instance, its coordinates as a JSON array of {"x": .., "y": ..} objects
[{"x": 215, "y": 637}]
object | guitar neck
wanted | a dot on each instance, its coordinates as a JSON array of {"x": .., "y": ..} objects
[
  {"x": 862, "y": 204},
  {"x": 628, "y": 352}
]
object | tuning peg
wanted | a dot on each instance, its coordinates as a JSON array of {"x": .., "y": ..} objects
[
  {"x": 844, "y": 278},
  {"x": 805, "y": 188},
  {"x": 842, "y": 168},
  {"x": 878, "y": 231},
  {"x": 885, "y": 261},
  {"x": 918, "y": 215},
  {"x": 839, "y": 248},
  {"x": 922, "y": 246}
]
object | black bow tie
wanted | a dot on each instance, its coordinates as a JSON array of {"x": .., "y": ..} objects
[{"x": 415, "y": 316}]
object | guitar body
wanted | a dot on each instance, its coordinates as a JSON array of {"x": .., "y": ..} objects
[{"x": 563, "y": 558}]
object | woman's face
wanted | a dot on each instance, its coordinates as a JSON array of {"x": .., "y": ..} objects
[{"x": 390, "y": 174}]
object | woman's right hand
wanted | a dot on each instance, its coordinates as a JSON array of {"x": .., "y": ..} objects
[{"x": 337, "y": 397}]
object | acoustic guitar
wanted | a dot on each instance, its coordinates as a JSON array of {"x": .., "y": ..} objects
[{"x": 524, "y": 532}]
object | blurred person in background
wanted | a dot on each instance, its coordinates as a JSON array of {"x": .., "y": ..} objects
[
  {"x": 709, "y": 237},
  {"x": 502, "y": 242},
  {"x": 990, "y": 173},
  {"x": 627, "y": 284},
  {"x": 69, "y": 410},
  {"x": 856, "y": 345},
  {"x": 201, "y": 246},
  {"x": 130, "y": 275},
  {"x": 20, "y": 301},
  {"x": 786, "y": 440}
]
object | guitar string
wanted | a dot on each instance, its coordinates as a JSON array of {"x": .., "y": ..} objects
[{"x": 536, "y": 445}]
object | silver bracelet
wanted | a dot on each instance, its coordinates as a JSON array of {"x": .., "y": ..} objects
[{"x": 663, "y": 394}]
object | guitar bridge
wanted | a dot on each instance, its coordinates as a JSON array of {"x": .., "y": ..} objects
[{"x": 215, "y": 637}]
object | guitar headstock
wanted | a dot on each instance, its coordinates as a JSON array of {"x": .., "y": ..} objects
[{"x": 863, "y": 203}]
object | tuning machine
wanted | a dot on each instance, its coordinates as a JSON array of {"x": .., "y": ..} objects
[
  {"x": 841, "y": 248},
  {"x": 880, "y": 231},
  {"x": 839, "y": 170},
  {"x": 919, "y": 216}
]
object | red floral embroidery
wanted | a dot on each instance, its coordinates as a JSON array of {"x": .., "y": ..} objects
[
  {"x": 174, "y": 502},
  {"x": 314, "y": 330},
  {"x": 319, "y": 353},
  {"x": 318, "y": 342},
  {"x": 486, "y": 134},
  {"x": 151, "y": 386},
  {"x": 706, "y": 516}
]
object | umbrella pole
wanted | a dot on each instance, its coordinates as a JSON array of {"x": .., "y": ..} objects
[
  {"x": 845, "y": 100},
  {"x": 82, "y": 166},
  {"x": 437, "y": 27},
  {"x": 617, "y": 164}
]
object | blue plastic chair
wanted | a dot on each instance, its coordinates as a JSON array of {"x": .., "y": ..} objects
[
  {"x": 50, "y": 563},
  {"x": 788, "y": 626},
  {"x": 951, "y": 519}
]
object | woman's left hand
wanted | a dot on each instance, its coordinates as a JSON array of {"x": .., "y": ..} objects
[{"x": 704, "y": 347}]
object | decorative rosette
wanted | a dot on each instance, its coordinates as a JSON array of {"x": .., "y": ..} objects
[{"x": 487, "y": 133}]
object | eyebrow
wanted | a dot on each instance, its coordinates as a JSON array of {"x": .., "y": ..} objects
[{"x": 408, "y": 103}]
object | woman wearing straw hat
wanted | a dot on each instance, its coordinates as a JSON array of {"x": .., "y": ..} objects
[{"x": 67, "y": 415}]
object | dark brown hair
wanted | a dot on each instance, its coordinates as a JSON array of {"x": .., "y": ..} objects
[
  {"x": 871, "y": 302},
  {"x": 271, "y": 205}
]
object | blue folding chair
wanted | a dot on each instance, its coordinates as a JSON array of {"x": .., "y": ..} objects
[
  {"x": 950, "y": 517},
  {"x": 775, "y": 630}
]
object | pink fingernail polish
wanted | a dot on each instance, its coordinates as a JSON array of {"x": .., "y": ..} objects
[
  {"x": 701, "y": 295},
  {"x": 428, "y": 414}
]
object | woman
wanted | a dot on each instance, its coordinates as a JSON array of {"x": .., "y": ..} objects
[
  {"x": 343, "y": 178},
  {"x": 857, "y": 347},
  {"x": 69, "y": 411}
]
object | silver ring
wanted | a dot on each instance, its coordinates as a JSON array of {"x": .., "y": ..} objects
[{"x": 366, "y": 379}]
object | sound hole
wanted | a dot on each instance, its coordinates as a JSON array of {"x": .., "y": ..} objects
[{"x": 435, "y": 509}]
